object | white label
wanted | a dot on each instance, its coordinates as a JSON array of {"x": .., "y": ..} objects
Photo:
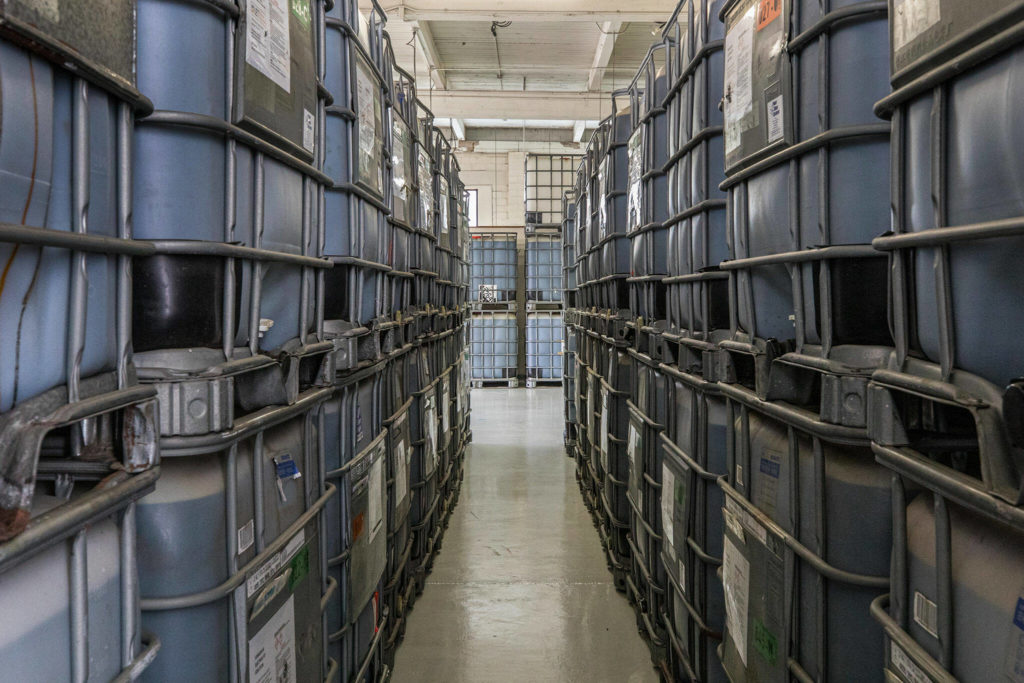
[
  {"x": 48, "y": 9},
  {"x": 443, "y": 207},
  {"x": 268, "y": 44},
  {"x": 736, "y": 580},
  {"x": 739, "y": 47},
  {"x": 488, "y": 293},
  {"x": 636, "y": 159},
  {"x": 445, "y": 405},
  {"x": 366, "y": 103},
  {"x": 747, "y": 520},
  {"x": 400, "y": 141},
  {"x": 776, "y": 129},
  {"x": 926, "y": 614},
  {"x": 906, "y": 666},
  {"x": 308, "y": 128},
  {"x": 274, "y": 564},
  {"x": 424, "y": 174},
  {"x": 911, "y": 18},
  {"x": 668, "y": 500},
  {"x": 430, "y": 415},
  {"x": 733, "y": 524},
  {"x": 401, "y": 474},
  {"x": 602, "y": 184},
  {"x": 632, "y": 447},
  {"x": 604, "y": 426},
  {"x": 272, "y": 649},
  {"x": 682, "y": 576},
  {"x": 246, "y": 537},
  {"x": 376, "y": 492}
]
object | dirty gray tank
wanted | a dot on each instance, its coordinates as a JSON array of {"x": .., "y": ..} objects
[
  {"x": 230, "y": 542},
  {"x": 648, "y": 415},
  {"x": 197, "y": 188},
  {"x": 697, "y": 242},
  {"x": 356, "y": 154},
  {"x": 792, "y": 496},
  {"x": 807, "y": 164},
  {"x": 955, "y": 211},
  {"x": 987, "y": 579},
  {"x": 69, "y": 103},
  {"x": 614, "y": 431},
  {"x": 355, "y": 521},
  {"x": 613, "y": 182},
  {"x": 943, "y": 415},
  {"x": 68, "y": 588},
  {"x": 694, "y": 456}
]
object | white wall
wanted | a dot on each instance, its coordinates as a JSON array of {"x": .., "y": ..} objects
[{"x": 500, "y": 181}]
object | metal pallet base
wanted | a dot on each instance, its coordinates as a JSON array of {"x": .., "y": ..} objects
[
  {"x": 544, "y": 306},
  {"x": 481, "y": 383},
  {"x": 532, "y": 383},
  {"x": 493, "y": 306}
]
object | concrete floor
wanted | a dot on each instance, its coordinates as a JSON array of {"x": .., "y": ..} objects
[{"x": 520, "y": 590}]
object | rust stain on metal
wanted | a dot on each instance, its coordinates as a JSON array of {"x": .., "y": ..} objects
[{"x": 31, "y": 183}]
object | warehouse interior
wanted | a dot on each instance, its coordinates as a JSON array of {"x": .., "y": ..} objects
[{"x": 359, "y": 341}]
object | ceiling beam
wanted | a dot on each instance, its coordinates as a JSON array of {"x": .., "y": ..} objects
[
  {"x": 459, "y": 128},
  {"x": 603, "y": 52},
  {"x": 528, "y": 10},
  {"x": 506, "y": 146},
  {"x": 578, "y": 127},
  {"x": 519, "y": 134},
  {"x": 434, "y": 64},
  {"x": 518, "y": 105}
]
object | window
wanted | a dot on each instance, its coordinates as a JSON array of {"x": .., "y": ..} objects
[{"x": 472, "y": 196}]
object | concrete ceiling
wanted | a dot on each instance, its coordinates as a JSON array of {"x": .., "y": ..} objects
[{"x": 548, "y": 64}]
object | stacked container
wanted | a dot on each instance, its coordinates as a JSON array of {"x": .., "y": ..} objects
[
  {"x": 571, "y": 344},
  {"x": 693, "y": 444},
  {"x": 543, "y": 308},
  {"x": 543, "y": 271},
  {"x": 494, "y": 348},
  {"x": 79, "y": 441},
  {"x": 806, "y": 161},
  {"x": 544, "y": 343},
  {"x": 811, "y": 396},
  {"x": 229, "y": 328},
  {"x": 944, "y": 412},
  {"x": 647, "y": 205},
  {"x": 493, "y": 265},
  {"x": 493, "y": 296},
  {"x": 182, "y": 252}
]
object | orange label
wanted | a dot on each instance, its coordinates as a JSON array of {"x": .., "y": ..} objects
[
  {"x": 357, "y": 527},
  {"x": 767, "y": 12}
]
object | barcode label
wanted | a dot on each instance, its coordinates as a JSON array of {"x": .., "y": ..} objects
[
  {"x": 308, "y": 129},
  {"x": 775, "y": 120},
  {"x": 246, "y": 537},
  {"x": 926, "y": 614},
  {"x": 906, "y": 666}
]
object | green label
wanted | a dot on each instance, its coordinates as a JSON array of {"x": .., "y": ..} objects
[
  {"x": 680, "y": 494},
  {"x": 765, "y": 642},
  {"x": 300, "y": 567},
  {"x": 300, "y": 8}
]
